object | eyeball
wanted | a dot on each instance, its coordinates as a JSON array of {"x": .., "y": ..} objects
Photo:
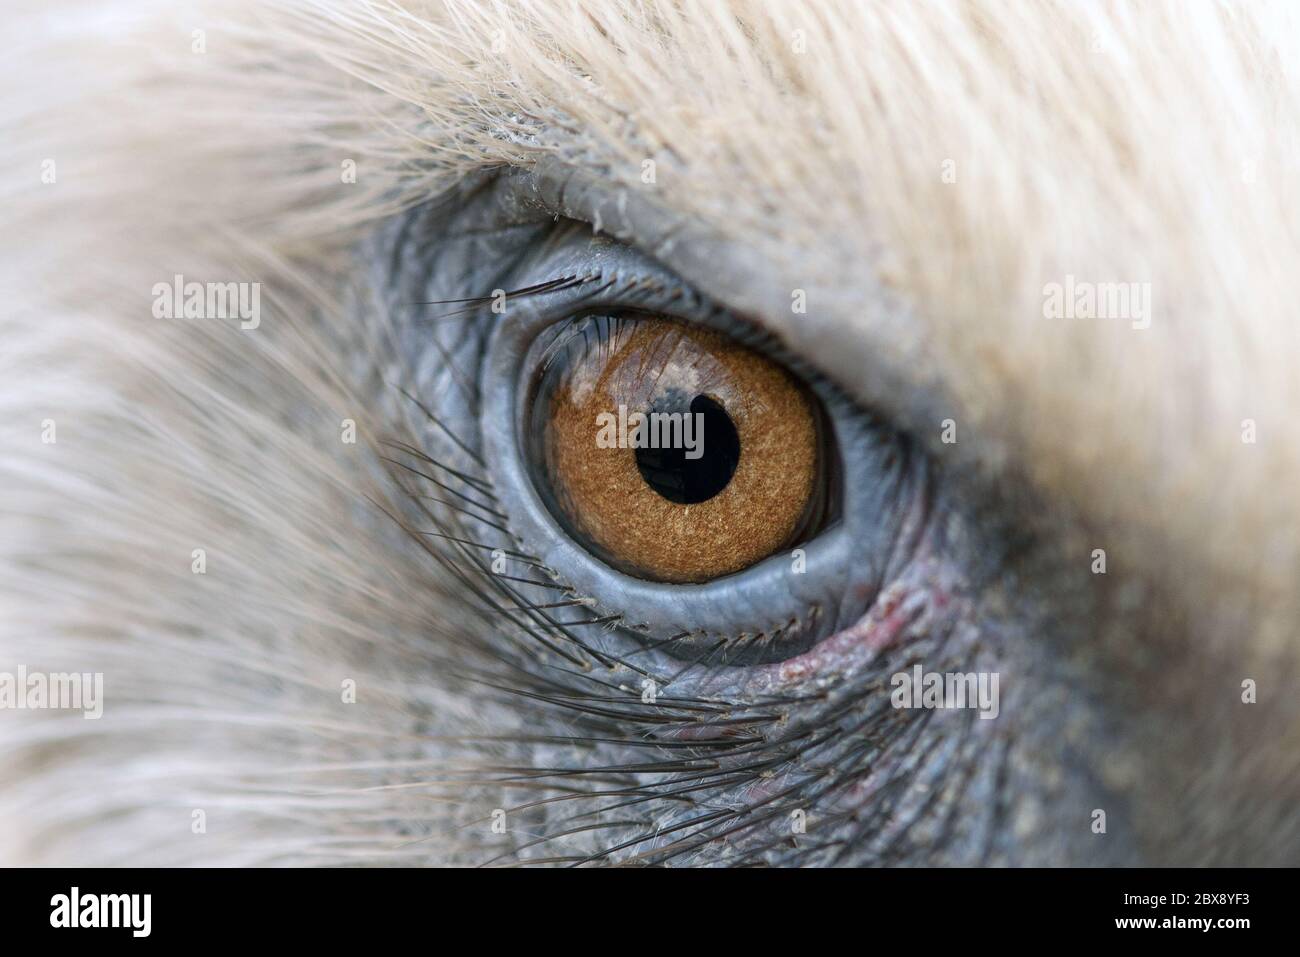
[
  {"x": 679, "y": 474},
  {"x": 673, "y": 452}
]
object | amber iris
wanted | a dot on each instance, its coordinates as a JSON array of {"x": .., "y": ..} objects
[{"x": 673, "y": 452}]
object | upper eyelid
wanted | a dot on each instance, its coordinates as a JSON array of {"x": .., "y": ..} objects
[
  {"x": 837, "y": 336},
  {"x": 558, "y": 189},
  {"x": 554, "y": 188},
  {"x": 621, "y": 272},
  {"x": 626, "y": 278},
  {"x": 633, "y": 287}
]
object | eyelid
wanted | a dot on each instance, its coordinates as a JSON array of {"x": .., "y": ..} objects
[
  {"x": 854, "y": 330},
  {"x": 607, "y": 274}
]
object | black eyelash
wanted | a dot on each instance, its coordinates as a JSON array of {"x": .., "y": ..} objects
[{"x": 474, "y": 303}]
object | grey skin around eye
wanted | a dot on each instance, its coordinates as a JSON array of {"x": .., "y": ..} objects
[
  {"x": 476, "y": 363},
  {"x": 945, "y": 573}
]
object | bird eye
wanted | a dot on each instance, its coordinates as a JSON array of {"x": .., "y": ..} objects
[
  {"x": 673, "y": 452},
  {"x": 645, "y": 469}
]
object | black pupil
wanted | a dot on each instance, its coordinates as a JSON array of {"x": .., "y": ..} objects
[{"x": 687, "y": 481}]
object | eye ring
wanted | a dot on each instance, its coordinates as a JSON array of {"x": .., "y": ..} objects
[{"x": 801, "y": 598}]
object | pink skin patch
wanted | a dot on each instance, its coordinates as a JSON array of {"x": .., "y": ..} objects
[
  {"x": 883, "y": 626},
  {"x": 909, "y": 603}
]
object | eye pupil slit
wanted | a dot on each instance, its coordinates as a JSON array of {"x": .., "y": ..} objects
[{"x": 688, "y": 481}]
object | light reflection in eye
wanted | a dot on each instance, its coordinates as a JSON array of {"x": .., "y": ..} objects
[{"x": 673, "y": 452}]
